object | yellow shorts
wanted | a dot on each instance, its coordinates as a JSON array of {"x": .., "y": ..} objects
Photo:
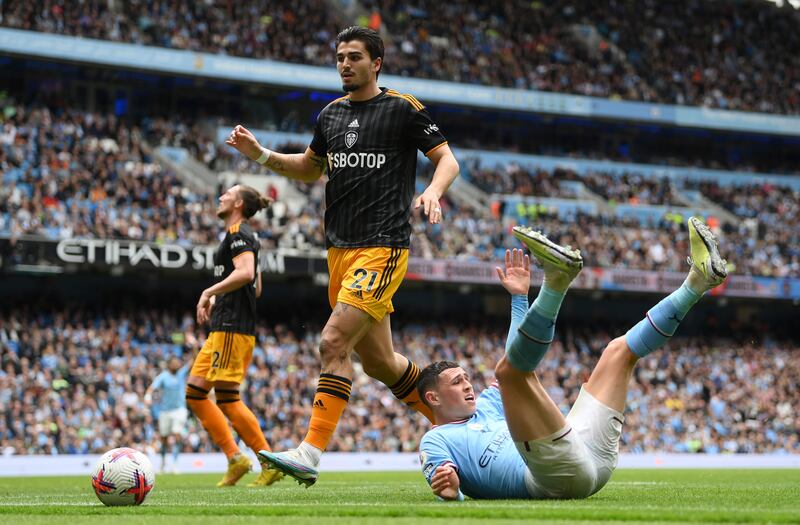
[
  {"x": 225, "y": 356},
  {"x": 366, "y": 278}
]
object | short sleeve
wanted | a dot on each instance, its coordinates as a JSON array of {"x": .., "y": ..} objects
[
  {"x": 423, "y": 133},
  {"x": 319, "y": 145},
  {"x": 433, "y": 453},
  {"x": 490, "y": 402},
  {"x": 240, "y": 242}
]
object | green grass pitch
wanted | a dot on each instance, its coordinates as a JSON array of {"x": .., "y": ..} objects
[{"x": 388, "y": 498}]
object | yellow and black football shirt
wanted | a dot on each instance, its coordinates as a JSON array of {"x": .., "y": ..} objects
[
  {"x": 235, "y": 311},
  {"x": 371, "y": 147}
]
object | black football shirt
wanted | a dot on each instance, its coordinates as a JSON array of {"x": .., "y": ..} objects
[
  {"x": 371, "y": 149},
  {"x": 235, "y": 311}
]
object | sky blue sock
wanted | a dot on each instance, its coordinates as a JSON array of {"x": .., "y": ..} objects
[
  {"x": 661, "y": 321},
  {"x": 535, "y": 332},
  {"x": 176, "y": 448},
  {"x": 548, "y": 302}
]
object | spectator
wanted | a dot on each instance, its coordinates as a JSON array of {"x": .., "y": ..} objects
[{"x": 73, "y": 381}]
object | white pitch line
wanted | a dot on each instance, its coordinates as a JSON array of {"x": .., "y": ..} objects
[{"x": 533, "y": 505}]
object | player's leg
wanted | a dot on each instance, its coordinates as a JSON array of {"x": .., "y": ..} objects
[
  {"x": 177, "y": 433},
  {"x": 557, "y": 461},
  {"x": 175, "y": 449},
  {"x": 247, "y": 427},
  {"x": 227, "y": 375},
  {"x": 381, "y": 362},
  {"x": 530, "y": 412},
  {"x": 386, "y": 268},
  {"x": 164, "y": 447},
  {"x": 357, "y": 276},
  {"x": 209, "y": 414},
  {"x": 597, "y": 412},
  {"x": 164, "y": 423},
  {"x": 344, "y": 328},
  {"x": 609, "y": 381}
]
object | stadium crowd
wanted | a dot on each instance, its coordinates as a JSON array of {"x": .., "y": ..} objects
[
  {"x": 76, "y": 174},
  {"x": 624, "y": 50},
  {"x": 79, "y": 174},
  {"x": 73, "y": 381}
]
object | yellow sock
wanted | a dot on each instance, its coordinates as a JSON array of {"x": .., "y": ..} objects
[
  {"x": 242, "y": 419},
  {"x": 405, "y": 389},
  {"x": 333, "y": 393},
  {"x": 212, "y": 419}
]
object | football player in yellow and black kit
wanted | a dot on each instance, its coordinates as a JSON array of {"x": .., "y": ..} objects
[
  {"x": 368, "y": 141},
  {"x": 230, "y": 305}
]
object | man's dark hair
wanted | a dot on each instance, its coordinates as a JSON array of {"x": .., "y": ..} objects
[
  {"x": 371, "y": 39},
  {"x": 253, "y": 201},
  {"x": 429, "y": 377}
]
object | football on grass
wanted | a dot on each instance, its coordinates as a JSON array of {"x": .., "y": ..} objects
[{"x": 123, "y": 476}]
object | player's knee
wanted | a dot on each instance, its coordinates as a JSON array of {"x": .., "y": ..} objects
[
  {"x": 504, "y": 370},
  {"x": 332, "y": 345},
  {"x": 618, "y": 349},
  {"x": 195, "y": 394},
  {"x": 226, "y": 397},
  {"x": 375, "y": 368}
]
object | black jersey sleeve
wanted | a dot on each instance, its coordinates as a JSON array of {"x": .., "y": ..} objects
[
  {"x": 240, "y": 242},
  {"x": 319, "y": 145},
  {"x": 423, "y": 133}
]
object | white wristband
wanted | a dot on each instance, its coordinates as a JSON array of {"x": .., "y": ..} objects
[{"x": 265, "y": 153}]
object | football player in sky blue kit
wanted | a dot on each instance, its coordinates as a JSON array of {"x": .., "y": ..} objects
[
  {"x": 512, "y": 441},
  {"x": 172, "y": 413}
]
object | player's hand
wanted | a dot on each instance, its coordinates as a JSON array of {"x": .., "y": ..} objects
[
  {"x": 245, "y": 142},
  {"x": 211, "y": 304},
  {"x": 516, "y": 278},
  {"x": 445, "y": 482},
  {"x": 204, "y": 306},
  {"x": 429, "y": 200}
]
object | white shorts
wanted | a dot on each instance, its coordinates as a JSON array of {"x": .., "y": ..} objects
[
  {"x": 578, "y": 460},
  {"x": 172, "y": 421}
]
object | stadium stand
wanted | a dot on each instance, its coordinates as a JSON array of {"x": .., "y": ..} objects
[
  {"x": 70, "y": 173},
  {"x": 72, "y": 381},
  {"x": 633, "y": 51}
]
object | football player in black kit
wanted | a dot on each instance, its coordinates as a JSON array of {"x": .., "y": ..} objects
[
  {"x": 368, "y": 142},
  {"x": 230, "y": 306}
]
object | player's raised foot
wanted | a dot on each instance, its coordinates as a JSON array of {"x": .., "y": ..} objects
[
  {"x": 238, "y": 466},
  {"x": 561, "y": 264},
  {"x": 292, "y": 463},
  {"x": 267, "y": 477},
  {"x": 707, "y": 265}
]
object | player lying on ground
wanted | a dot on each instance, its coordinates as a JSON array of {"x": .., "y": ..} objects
[{"x": 470, "y": 451}]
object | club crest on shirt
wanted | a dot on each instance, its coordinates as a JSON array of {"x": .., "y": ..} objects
[{"x": 350, "y": 138}]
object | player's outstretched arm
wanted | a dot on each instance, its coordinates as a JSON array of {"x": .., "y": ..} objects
[
  {"x": 446, "y": 172},
  {"x": 516, "y": 279},
  {"x": 445, "y": 483},
  {"x": 306, "y": 167}
]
